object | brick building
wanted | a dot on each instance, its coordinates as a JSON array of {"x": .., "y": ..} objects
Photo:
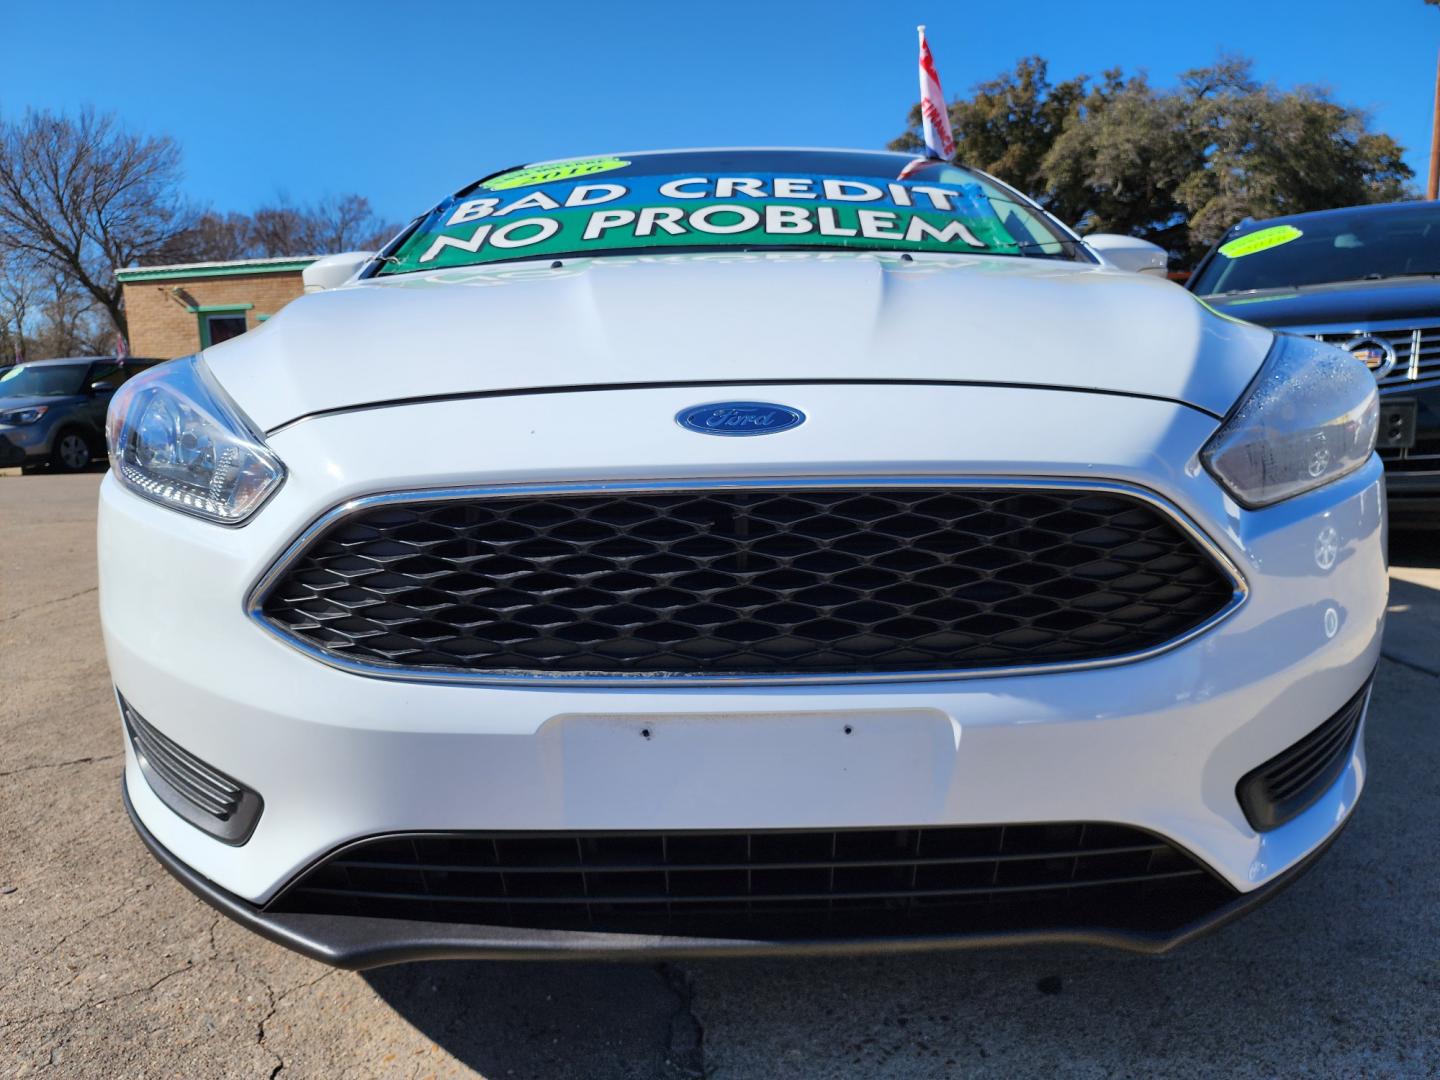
[{"x": 178, "y": 310}]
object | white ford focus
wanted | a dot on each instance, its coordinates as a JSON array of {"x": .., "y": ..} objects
[{"x": 738, "y": 550}]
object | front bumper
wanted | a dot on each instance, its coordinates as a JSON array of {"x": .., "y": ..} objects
[
  {"x": 1158, "y": 744},
  {"x": 362, "y": 943}
]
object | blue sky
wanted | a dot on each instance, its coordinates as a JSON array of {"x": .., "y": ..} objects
[{"x": 403, "y": 102}]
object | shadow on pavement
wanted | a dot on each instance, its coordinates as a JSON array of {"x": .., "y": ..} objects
[
  {"x": 550, "y": 1021},
  {"x": 1412, "y": 617},
  {"x": 1415, "y": 547}
]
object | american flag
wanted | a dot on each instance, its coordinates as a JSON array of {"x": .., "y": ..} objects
[{"x": 938, "y": 140}]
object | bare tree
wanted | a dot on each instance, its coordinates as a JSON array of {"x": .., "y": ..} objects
[
  {"x": 333, "y": 224},
  {"x": 82, "y": 196},
  {"x": 214, "y": 237},
  {"x": 19, "y": 290},
  {"x": 69, "y": 322},
  {"x": 280, "y": 229}
]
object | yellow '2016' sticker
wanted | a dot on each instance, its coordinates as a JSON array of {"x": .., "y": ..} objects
[
  {"x": 547, "y": 174},
  {"x": 1262, "y": 240}
]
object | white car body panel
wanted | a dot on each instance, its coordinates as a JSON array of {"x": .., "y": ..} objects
[
  {"x": 728, "y": 318},
  {"x": 548, "y": 736},
  {"x": 1157, "y": 743}
]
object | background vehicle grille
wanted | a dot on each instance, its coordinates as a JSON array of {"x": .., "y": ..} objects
[
  {"x": 771, "y": 885},
  {"x": 767, "y": 581},
  {"x": 1289, "y": 783},
  {"x": 1417, "y": 353},
  {"x": 1417, "y": 366}
]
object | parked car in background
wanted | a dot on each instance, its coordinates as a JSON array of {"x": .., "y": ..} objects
[
  {"x": 52, "y": 412},
  {"x": 741, "y": 550},
  {"x": 1366, "y": 278}
]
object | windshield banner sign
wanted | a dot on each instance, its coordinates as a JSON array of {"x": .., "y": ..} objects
[{"x": 584, "y": 214}]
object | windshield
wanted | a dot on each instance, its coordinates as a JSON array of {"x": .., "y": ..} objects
[
  {"x": 726, "y": 201},
  {"x": 50, "y": 380},
  {"x": 1363, "y": 244}
]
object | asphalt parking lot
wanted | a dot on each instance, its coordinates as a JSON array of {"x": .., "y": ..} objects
[{"x": 110, "y": 968}]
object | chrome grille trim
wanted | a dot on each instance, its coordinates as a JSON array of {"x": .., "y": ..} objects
[
  {"x": 255, "y": 599},
  {"x": 1417, "y": 348}
]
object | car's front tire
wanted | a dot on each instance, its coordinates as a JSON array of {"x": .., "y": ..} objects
[{"x": 72, "y": 452}]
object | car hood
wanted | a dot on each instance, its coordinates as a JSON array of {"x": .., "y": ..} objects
[
  {"x": 1348, "y": 305},
  {"x": 738, "y": 318}
]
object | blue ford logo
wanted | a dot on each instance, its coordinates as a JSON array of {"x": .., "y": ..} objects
[{"x": 740, "y": 418}]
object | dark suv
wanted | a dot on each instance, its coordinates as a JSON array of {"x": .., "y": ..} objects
[
  {"x": 1366, "y": 278},
  {"x": 53, "y": 411}
]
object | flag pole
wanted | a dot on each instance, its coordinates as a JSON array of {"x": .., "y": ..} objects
[
  {"x": 1432, "y": 190},
  {"x": 934, "y": 114}
]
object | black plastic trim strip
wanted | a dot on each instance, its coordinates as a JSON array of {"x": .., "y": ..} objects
[
  {"x": 580, "y": 388},
  {"x": 1269, "y": 794},
  {"x": 359, "y": 943},
  {"x": 183, "y": 794}
]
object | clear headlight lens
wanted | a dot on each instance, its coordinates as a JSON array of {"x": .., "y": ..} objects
[
  {"x": 176, "y": 438},
  {"x": 1310, "y": 417},
  {"x": 21, "y": 417}
]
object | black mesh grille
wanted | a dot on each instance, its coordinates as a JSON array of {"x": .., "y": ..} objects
[
  {"x": 771, "y": 581},
  {"x": 771, "y": 885},
  {"x": 1291, "y": 781}
]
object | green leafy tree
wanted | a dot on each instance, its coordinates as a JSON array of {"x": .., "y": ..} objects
[
  {"x": 1265, "y": 152},
  {"x": 1119, "y": 164},
  {"x": 1176, "y": 166},
  {"x": 1009, "y": 123}
]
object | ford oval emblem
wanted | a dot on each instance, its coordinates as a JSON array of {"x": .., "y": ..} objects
[{"x": 739, "y": 418}]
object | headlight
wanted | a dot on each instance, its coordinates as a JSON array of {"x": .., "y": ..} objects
[
  {"x": 176, "y": 438},
  {"x": 1310, "y": 417},
  {"x": 21, "y": 417}
]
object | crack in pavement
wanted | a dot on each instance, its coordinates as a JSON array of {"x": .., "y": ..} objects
[
  {"x": 274, "y": 1007},
  {"x": 47, "y": 603},
  {"x": 92, "y": 921},
  {"x": 62, "y": 764},
  {"x": 62, "y": 1033},
  {"x": 100, "y": 1002},
  {"x": 687, "y": 1035}
]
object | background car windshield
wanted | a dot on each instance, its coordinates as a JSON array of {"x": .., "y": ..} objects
[
  {"x": 51, "y": 380},
  {"x": 1366, "y": 244},
  {"x": 726, "y": 201}
]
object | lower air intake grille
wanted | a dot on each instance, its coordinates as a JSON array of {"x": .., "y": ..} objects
[
  {"x": 771, "y": 582},
  {"x": 773, "y": 885},
  {"x": 1290, "y": 782},
  {"x": 203, "y": 796}
]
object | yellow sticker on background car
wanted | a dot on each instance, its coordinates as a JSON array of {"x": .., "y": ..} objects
[
  {"x": 1262, "y": 240},
  {"x": 560, "y": 170}
]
